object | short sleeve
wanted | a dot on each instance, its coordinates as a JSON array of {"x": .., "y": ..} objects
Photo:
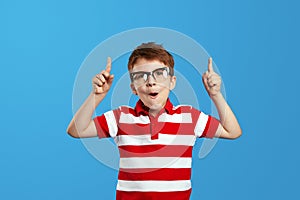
[
  {"x": 106, "y": 125},
  {"x": 206, "y": 125}
]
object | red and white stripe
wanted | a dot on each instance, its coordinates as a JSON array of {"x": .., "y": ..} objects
[{"x": 158, "y": 167}]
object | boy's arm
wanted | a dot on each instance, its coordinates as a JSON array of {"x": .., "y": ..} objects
[
  {"x": 229, "y": 127},
  {"x": 82, "y": 125}
]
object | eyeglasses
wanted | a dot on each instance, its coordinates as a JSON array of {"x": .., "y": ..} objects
[{"x": 159, "y": 75}]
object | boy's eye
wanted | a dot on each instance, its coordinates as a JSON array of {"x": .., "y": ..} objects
[
  {"x": 138, "y": 76},
  {"x": 159, "y": 72},
  {"x": 159, "y": 75}
]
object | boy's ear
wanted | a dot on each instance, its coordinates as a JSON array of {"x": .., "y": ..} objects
[
  {"x": 173, "y": 82},
  {"x": 133, "y": 89}
]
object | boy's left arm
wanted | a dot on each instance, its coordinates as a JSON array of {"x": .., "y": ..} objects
[{"x": 229, "y": 127}]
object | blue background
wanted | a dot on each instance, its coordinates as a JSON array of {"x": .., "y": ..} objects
[{"x": 43, "y": 43}]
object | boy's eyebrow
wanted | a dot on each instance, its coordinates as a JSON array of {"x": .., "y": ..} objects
[
  {"x": 160, "y": 66},
  {"x": 150, "y": 71},
  {"x": 139, "y": 72}
]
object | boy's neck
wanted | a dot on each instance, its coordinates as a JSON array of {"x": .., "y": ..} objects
[
  {"x": 154, "y": 110},
  {"x": 157, "y": 111},
  {"x": 154, "y": 113}
]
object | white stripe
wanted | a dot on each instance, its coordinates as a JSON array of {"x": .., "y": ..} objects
[
  {"x": 176, "y": 118},
  {"x": 163, "y": 139},
  {"x": 131, "y": 119},
  {"x": 182, "y": 105},
  {"x": 201, "y": 124},
  {"x": 111, "y": 123},
  {"x": 155, "y": 162},
  {"x": 158, "y": 186}
]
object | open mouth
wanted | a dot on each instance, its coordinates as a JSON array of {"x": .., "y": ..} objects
[{"x": 153, "y": 94}]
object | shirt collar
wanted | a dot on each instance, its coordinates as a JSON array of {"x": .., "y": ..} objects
[{"x": 141, "y": 109}]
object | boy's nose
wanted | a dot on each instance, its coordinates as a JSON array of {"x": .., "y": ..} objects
[{"x": 150, "y": 81}]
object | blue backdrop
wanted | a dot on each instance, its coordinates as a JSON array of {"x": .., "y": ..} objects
[{"x": 43, "y": 43}]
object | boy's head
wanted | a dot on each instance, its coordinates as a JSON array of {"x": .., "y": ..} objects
[
  {"x": 151, "y": 70},
  {"x": 151, "y": 51}
]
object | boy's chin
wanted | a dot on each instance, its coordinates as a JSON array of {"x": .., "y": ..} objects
[{"x": 155, "y": 107}]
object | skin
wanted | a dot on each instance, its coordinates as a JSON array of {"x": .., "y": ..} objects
[
  {"x": 229, "y": 127},
  {"x": 155, "y": 103},
  {"x": 82, "y": 125}
]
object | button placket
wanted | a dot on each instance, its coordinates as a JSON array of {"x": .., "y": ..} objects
[{"x": 153, "y": 132}]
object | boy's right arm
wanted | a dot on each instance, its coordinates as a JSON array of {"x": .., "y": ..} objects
[{"x": 82, "y": 125}]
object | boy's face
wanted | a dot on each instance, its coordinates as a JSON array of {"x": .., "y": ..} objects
[{"x": 153, "y": 88}]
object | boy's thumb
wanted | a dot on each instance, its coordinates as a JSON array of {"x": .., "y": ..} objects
[{"x": 110, "y": 79}]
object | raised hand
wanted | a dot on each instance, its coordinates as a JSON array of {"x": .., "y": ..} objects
[
  {"x": 211, "y": 80},
  {"x": 103, "y": 80}
]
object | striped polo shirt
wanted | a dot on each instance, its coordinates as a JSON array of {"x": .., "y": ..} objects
[{"x": 155, "y": 152}]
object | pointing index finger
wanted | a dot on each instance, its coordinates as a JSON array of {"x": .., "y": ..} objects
[
  {"x": 108, "y": 64},
  {"x": 210, "y": 68}
]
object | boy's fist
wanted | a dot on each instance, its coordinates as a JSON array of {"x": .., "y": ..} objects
[
  {"x": 103, "y": 80},
  {"x": 211, "y": 80}
]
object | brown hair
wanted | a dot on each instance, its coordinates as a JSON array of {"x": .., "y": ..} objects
[{"x": 151, "y": 51}]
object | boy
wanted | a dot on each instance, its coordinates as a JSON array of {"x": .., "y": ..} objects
[{"x": 155, "y": 139}]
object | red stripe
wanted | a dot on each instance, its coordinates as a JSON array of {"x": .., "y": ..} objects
[
  {"x": 182, "y": 128},
  {"x": 177, "y": 128},
  {"x": 101, "y": 126},
  {"x": 211, "y": 127},
  {"x": 127, "y": 110},
  {"x": 155, "y": 151},
  {"x": 157, "y": 127},
  {"x": 155, "y": 174},
  {"x": 133, "y": 129},
  {"x": 180, "y": 195}
]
